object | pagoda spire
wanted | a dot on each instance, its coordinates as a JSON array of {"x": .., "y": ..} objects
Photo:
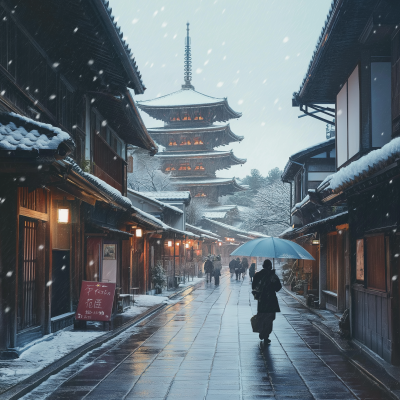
[{"x": 188, "y": 62}]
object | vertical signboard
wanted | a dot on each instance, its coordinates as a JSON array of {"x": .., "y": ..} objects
[{"x": 95, "y": 301}]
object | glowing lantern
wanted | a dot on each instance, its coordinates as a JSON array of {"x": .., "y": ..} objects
[
  {"x": 139, "y": 233},
  {"x": 169, "y": 243},
  {"x": 63, "y": 216}
]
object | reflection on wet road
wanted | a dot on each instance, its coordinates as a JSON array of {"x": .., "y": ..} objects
[{"x": 203, "y": 347}]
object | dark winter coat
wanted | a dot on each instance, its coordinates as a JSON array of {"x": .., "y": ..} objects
[
  {"x": 268, "y": 302},
  {"x": 232, "y": 266},
  {"x": 252, "y": 270},
  {"x": 208, "y": 267},
  {"x": 217, "y": 272},
  {"x": 245, "y": 264}
]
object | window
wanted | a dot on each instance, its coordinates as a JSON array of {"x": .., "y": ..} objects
[
  {"x": 375, "y": 252},
  {"x": 199, "y": 167},
  {"x": 174, "y": 118},
  {"x": 348, "y": 119},
  {"x": 186, "y": 117},
  {"x": 172, "y": 143},
  {"x": 381, "y": 117},
  {"x": 200, "y": 194},
  {"x": 360, "y": 260},
  {"x": 170, "y": 167},
  {"x": 197, "y": 141},
  {"x": 185, "y": 142},
  {"x": 198, "y": 117},
  {"x": 185, "y": 167}
]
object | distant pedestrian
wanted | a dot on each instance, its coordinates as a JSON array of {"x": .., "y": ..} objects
[
  {"x": 245, "y": 265},
  {"x": 209, "y": 269},
  {"x": 217, "y": 262},
  {"x": 252, "y": 271},
  {"x": 265, "y": 285},
  {"x": 217, "y": 274},
  {"x": 242, "y": 270},
  {"x": 232, "y": 266},
  {"x": 238, "y": 268}
]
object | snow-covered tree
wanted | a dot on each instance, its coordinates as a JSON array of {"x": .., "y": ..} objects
[
  {"x": 194, "y": 211},
  {"x": 269, "y": 212},
  {"x": 147, "y": 175}
]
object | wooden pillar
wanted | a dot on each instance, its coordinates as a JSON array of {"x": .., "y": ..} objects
[
  {"x": 8, "y": 266},
  {"x": 48, "y": 264},
  {"x": 322, "y": 269},
  {"x": 341, "y": 270}
]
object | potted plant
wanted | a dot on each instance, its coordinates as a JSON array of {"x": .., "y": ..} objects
[{"x": 158, "y": 277}]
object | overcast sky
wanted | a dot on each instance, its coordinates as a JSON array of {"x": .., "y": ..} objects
[{"x": 253, "y": 52}]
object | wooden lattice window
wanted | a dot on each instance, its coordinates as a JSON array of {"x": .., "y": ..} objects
[
  {"x": 172, "y": 142},
  {"x": 375, "y": 257},
  {"x": 199, "y": 167},
  {"x": 186, "y": 117},
  {"x": 360, "y": 260},
  {"x": 197, "y": 141},
  {"x": 198, "y": 117},
  {"x": 185, "y": 142}
]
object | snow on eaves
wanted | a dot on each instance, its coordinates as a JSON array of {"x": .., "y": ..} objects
[
  {"x": 233, "y": 229},
  {"x": 168, "y": 195},
  {"x": 154, "y": 200},
  {"x": 203, "y": 232},
  {"x": 301, "y": 203},
  {"x": 365, "y": 166},
  {"x": 21, "y": 133},
  {"x": 113, "y": 193}
]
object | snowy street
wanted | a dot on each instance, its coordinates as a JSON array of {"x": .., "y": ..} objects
[{"x": 202, "y": 347}]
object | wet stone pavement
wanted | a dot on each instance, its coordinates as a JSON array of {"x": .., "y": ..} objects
[{"x": 202, "y": 347}]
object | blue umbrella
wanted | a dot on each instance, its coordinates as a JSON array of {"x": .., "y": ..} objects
[{"x": 271, "y": 247}]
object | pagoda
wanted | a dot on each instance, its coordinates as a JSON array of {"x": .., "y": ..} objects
[{"x": 190, "y": 134}]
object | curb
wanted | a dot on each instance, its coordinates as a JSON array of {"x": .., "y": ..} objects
[
  {"x": 324, "y": 330},
  {"x": 27, "y": 385}
]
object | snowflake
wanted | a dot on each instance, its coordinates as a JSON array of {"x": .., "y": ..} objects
[
  {"x": 56, "y": 64},
  {"x": 90, "y": 62},
  {"x": 49, "y": 283},
  {"x": 76, "y": 29},
  {"x": 199, "y": 70},
  {"x": 52, "y": 97},
  {"x": 134, "y": 21},
  {"x": 219, "y": 84},
  {"x": 163, "y": 25},
  {"x": 276, "y": 101},
  {"x": 285, "y": 40},
  {"x": 287, "y": 57},
  {"x": 206, "y": 62},
  {"x": 9, "y": 274},
  {"x": 175, "y": 36},
  {"x": 155, "y": 13},
  {"x": 240, "y": 101},
  {"x": 209, "y": 51}
]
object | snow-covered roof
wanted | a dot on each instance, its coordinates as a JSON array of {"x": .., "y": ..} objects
[
  {"x": 104, "y": 187},
  {"x": 201, "y": 155},
  {"x": 234, "y": 229},
  {"x": 182, "y": 97},
  {"x": 214, "y": 214},
  {"x": 21, "y": 133},
  {"x": 155, "y": 201},
  {"x": 301, "y": 203},
  {"x": 205, "y": 181},
  {"x": 168, "y": 195},
  {"x": 292, "y": 166},
  {"x": 202, "y": 231},
  {"x": 365, "y": 166}
]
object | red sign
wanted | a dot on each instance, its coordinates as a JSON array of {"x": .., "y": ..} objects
[{"x": 96, "y": 301}]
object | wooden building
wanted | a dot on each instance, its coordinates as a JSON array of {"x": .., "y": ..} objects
[
  {"x": 66, "y": 118},
  {"x": 190, "y": 134},
  {"x": 354, "y": 77}
]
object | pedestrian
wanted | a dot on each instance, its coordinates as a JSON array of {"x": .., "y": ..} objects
[
  {"x": 218, "y": 263},
  {"x": 217, "y": 274},
  {"x": 242, "y": 270},
  {"x": 252, "y": 271},
  {"x": 245, "y": 264},
  {"x": 238, "y": 267},
  {"x": 232, "y": 266},
  {"x": 265, "y": 285},
  {"x": 208, "y": 268}
]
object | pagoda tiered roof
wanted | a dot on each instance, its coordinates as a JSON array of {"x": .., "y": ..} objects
[
  {"x": 202, "y": 155},
  {"x": 188, "y": 100},
  {"x": 222, "y": 132},
  {"x": 225, "y": 185}
]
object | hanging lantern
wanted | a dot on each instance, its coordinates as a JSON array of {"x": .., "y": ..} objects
[
  {"x": 169, "y": 243},
  {"x": 187, "y": 245},
  {"x": 139, "y": 233},
  {"x": 219, "y": 243}
]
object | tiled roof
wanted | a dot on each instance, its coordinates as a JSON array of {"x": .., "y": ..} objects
[{"x": 22, "y": 133}]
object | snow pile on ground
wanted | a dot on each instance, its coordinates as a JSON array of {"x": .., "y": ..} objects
[
  {"x": 191, "y": 282},
  {"x": 376, "y": 159},
  {"x": 149, "y": 301},
  {"x": 47, "y": 350}
]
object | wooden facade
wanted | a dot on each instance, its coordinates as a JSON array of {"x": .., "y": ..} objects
[
  {"x": 361, "y": 77},
  {"x": 63, "y": 221}
]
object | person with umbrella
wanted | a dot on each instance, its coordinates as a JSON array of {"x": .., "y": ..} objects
[{"x": 265, "y": 285}]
